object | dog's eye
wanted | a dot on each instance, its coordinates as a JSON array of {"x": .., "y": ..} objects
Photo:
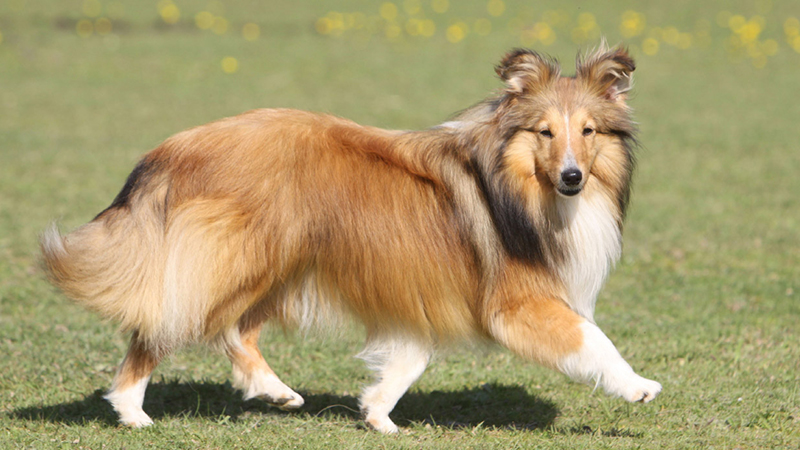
[
  {"x": 546, "y": 133},
  {"x": 587, "y": 131}
]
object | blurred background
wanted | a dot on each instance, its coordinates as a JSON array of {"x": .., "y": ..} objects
[
  {"x": 705, "y": 299},
  {"x": 89, "y": 86}
]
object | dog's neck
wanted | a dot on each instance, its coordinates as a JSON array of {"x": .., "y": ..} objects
[{"x": 590, "y": 243}]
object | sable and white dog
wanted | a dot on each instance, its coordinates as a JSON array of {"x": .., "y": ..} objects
[{"x": 502, "y": 224}]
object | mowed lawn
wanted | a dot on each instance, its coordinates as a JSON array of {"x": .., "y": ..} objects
[{"x": 705, "y": 299}]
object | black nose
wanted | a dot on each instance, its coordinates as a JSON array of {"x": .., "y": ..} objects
[{"x": 571, "y": 177}]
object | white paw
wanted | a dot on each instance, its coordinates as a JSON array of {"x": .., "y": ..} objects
[
  {"x": 383, "y": 424},
  {"x": 286, "y": 402},
  {"x": 127, "y": 403},
  {"x": 135, "y": 419},
  {"x": 269, "y": 388},
  {"x": 639, "y": 389}
]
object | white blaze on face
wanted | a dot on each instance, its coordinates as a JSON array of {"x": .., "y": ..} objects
[{"x": 569, "y": 156}]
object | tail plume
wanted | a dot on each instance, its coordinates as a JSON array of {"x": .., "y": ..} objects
[{"x": 107, "y": 266}]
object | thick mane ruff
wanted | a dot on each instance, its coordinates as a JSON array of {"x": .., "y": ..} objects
[{"x": 525, "y": 225}]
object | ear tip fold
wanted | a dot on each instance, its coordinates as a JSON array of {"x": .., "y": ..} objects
[
  {"x": 602, "y": 56},
  {"x": 512, "y": 59},
  {"x": 618, "y": 54},
  {"x": 524, "y": 69},
  {"x": 622, "y": 57},
  {"x": 607, "y": 72}
]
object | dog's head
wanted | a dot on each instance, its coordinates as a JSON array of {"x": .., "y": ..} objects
[{"x": 564, "y": 123}]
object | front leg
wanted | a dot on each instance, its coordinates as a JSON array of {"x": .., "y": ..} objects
[
  {"x": 547, "y": 331},
  {"x": 597, "y": 359}
]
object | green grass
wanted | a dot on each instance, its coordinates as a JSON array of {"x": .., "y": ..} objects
[{"x": 705, "y": 299}]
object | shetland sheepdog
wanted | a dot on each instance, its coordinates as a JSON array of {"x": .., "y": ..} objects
[{"x": 501, "y": 224}]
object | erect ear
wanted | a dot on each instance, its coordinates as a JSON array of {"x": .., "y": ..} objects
[
  {"x": 526, "y": 71},
  {"x": 608, "y": 73}
]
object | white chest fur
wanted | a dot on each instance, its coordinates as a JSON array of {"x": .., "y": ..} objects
[{"x": 593, "y": 244}]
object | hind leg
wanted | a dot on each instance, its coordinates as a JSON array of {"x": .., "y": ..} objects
[
  {"x": 398, "y": 364},
  {"x": 252, "y": 374},
  {"x": 127, "y": 390}
]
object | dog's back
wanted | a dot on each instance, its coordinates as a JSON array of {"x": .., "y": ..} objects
[{"x": 299, "y": 212}]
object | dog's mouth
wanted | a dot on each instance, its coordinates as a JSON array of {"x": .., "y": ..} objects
[{"x": 568, "y": 191}]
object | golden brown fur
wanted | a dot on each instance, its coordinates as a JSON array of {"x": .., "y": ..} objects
[{"x": 445, "y": 234}]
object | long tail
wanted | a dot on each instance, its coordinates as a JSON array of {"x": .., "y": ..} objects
[{"x": 110, "y": 265}]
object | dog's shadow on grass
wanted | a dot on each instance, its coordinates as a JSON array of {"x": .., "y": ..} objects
[{"x": 490, "y": 405}]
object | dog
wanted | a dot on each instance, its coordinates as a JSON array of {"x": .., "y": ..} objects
[{"x": 501, "y": 224}]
